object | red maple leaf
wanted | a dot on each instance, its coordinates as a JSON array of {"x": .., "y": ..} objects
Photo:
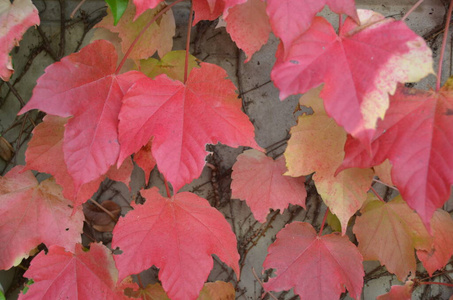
[
  {"x": 80, "y": 276},
  {"x": 289, "y": 18},
  {"x": 177, "y": 235},
  {"x": 359, "y": 67},
  {"x": 259, "y": 180},
  {"x": 83, "y": 85},
  {"x": 183, "y": 118},
  {"x": 416, "y": 136},
  {"x": 31, "y": 214},
  {"x": 15, "y": 19},
  {"x": 45, "y": 154},
  {"x": 317, "y": 267}
]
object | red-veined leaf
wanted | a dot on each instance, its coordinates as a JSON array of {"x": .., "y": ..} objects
[
  {"x": 45, "y": 154},
  {"x": 417, "y": 137},
  {"x": 359, "y": 67},
  {"x": 259, "y": 180},
  {"x": 317, "y": 267},
  {"x": 178, "y": 236},
  {"x": 291, "y": 18},
  {"x": 31, "y": 214},
  {"x": 83, "y": 85},
  {"x": 183, "y": 118},
  {"x": 80, "y": 276}
]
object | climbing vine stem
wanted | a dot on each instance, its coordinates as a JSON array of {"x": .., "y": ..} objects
[{"x": 444, "y": 43}]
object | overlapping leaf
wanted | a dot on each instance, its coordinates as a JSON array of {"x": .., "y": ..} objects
[
  {"x": 80, "y": 275},
  {"x": 15, "y": 19},
  {"x": 183, "y": 118},
  {"x": 417, "y": 137},
  {"x": 172, "y": 64},
  {"x": 145, "y": 160},
  {"x": 158, "y": 37},
  {"x": 389, "y": 232},
  {"x": 316, "y": 145},
  {"x": 31, "y": 214},
  {"x": 248, "y": 26},
  {"x": 399, "y": 292},
  {"x": 212, "y": 9},
  {"x": 259, "y": 180},
  {"x": 45, "y": 154},
  {"x": 83, "y": 85},
  {"x": 218, "y": 290},
  {"x": 359, "y": 67},
  {"x": 290, "y": 18},
  {"x": 317, "y": 267},
  {"x": 440, "y": 254},
  {"x": 178, "y": 236}
]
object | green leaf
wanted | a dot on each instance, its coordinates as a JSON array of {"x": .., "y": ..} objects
[
  {"x": 118, "y": 8},
  {"x": 27, "y": 286}
]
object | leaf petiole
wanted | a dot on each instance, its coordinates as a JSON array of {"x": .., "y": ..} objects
[{"x": 189, "y": 30}]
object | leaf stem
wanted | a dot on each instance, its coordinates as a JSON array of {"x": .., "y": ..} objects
[
  {"x": 377, "y": 194},
  {"x": 411, "y": 10},
  {"x": 189, "y": 30},
  {"x": 167, "y": 188},
  {"x": 444, "y": 43},
  {"x": 323, "y": 222},
  {"x": 128, "y": 52},
  {"x": 261, "y": 283},
  {"x": 439, "y": 283}
]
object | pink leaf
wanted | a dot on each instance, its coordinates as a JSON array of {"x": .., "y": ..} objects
[
  {"x": 416, "y": 136},
  {"x": 183, "y": 118},
  {"x": 45, "y": 154},
  {"x": 15, "y": 19},
  {"x": 359, "y": 67},
  {"x": 259, "y": 180},
  {"x": 80, "y": 276},
  {"x": 290, "y": 19},
  {"x": 438, "y": 257},
  {"x": 83, "y": 85},
  {"x": 317, "y": 267},
  {"x": 178, "y": 236},
  {"x": 248, "y": 26},
  {"x": 33, "y": 213}
]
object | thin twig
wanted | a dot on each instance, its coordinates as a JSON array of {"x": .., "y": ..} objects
[
  {"x": 103, "y": 209},
  {"x": 189, "y": 30},
  {"x": 387, "y": 185},
  {"x": 261, "y": 283},
  {"x": 77, "y": 8},
  {"x": 412, "y": 9}
]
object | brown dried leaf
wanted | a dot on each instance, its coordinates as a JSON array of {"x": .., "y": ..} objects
[
  {"x": 6, "y": 150},
  {"x": 98, "y": 218}
]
